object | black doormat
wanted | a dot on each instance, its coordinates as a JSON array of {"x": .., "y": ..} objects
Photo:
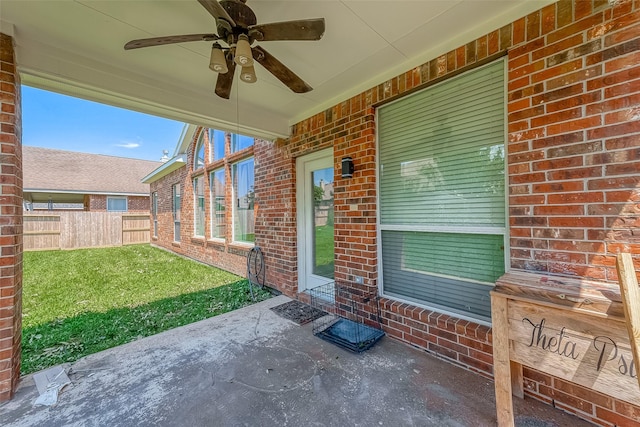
[{"x": 298, "y": 312}]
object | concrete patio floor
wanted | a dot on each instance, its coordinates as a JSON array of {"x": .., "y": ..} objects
[{"x": 254, "y": 368}]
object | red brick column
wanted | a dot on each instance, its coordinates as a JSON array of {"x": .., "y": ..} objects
[{"x": 10, "y": 221}]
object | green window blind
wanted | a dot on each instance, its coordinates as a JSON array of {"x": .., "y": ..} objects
[{"x": 442, "y": 200}]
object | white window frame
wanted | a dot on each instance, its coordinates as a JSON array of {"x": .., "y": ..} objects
[
  {"x": 200, "y": 144},
  {"x": 212, "y": 144},
  {"x": 235, "y": 138},
  {"x": 114, "y": 198},
  {"x": 481, "y": 230},
  {"x": 212, "y": 202},
  {"x": 176, "y": 212},
  {"x": 154, "y": 212},
  {"x": 195, "y": 207},
  {"x": 234, "y": 199}
]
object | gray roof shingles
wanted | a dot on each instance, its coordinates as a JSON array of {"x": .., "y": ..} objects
[{"x": 58, "y": 170}]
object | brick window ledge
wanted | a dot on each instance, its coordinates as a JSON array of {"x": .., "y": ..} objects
[
  {"x": 216, "y": 243},
  {"x": 197, "y": 240}
]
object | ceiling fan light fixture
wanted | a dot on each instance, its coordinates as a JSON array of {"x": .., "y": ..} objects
[
  {"x": 237, "y": 29},
  {"x": 248, "y": 74},
  {"x": 217, "y": 62},
  {"x": 243, "y": 56}
]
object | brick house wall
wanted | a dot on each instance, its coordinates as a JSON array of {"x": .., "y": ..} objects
[
  {"x": 135, "y": 204},
  {"x": 165, "y": 214},
  {"x": 10, "y": 220},
  {"x": 573, "y": 165},
  {"x": 223, "y": 254},
  {"x": 138, "y": 204},
  {"x": 573, "y": 93}
]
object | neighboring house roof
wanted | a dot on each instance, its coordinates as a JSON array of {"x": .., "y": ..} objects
[
  {"x": 179, "y": 158},
  {"x": 56, "y": 171}
]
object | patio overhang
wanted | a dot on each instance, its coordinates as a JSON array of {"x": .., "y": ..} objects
[
  {"x": 38, "y": 195},
  {"x": 364, "y": 44}
]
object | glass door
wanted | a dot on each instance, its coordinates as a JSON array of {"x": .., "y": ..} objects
[{"x": 315, "y": 219}]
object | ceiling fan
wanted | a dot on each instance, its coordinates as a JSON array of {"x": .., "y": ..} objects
[{"x": 237, "y": 28}]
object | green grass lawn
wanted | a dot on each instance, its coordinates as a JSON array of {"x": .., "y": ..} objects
[
  {"x": 324, "y": 251},
  {"x": 83, "y": 301}
]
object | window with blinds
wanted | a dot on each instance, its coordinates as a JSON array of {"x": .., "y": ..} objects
[{"x": 441, "y": 192}]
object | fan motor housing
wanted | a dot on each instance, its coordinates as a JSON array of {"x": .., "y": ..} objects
[{"x": 242, "y": 14}]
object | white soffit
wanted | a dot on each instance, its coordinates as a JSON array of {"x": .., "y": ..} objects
[{"x": 76, "y": 47}]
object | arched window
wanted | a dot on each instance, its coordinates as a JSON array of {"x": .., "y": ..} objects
[
  {"x": 198, "y": 158},
  {"x": 240, "y": 142},
  {"x": 216, "y": 144}
]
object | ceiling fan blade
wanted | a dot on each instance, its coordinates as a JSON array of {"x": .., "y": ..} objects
[
  {"x": 278, "y": 69},
  {"x": 158, "y": 41},
  {"x": 216, "y": 10},
  {"x": 304, "y": 29},
  {"x": 224, "y": 82}
]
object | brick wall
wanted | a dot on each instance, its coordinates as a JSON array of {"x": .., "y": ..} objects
[
  {"x": 138, "y": 204},
  {"x": 165, "y": 216},
  {"x": 573, "y": 97},
  {"x": 223, "y": 254},
  {"x": 135, "y": 204},
  {"x": 349, "y": 129},
  {"x": 10, "y": 220},
  {"x": 573, "y": 162},
  {"x": 275, "y": 222},
  {"x": 574, "y": 159},
  {"x": 574, "y": 150},
  {"x": 97, "y": 203}
]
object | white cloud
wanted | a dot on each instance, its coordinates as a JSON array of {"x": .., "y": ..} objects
[{"x": 128, "y": 145}]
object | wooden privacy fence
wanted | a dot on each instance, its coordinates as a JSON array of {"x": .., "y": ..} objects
[{"x": 74, "y": 230}]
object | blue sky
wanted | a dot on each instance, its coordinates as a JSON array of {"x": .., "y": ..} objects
[{"x": 58, "y": 121}]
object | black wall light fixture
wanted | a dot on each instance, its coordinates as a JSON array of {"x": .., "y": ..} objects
[{"x": 347, "y": 167}]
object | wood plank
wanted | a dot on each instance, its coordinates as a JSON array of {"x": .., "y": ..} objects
[
  {"x": 501, "y": 362},
  {"x": 587, "y": 350},
  {"x": 517, "y": 379},
  {"x": 80, "y": 229},
  {"x": 574, "y": 293},
  {"x": 631, "y": 303},
  {"x": 41, "y": 233}
]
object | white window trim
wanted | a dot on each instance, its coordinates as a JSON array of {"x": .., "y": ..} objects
[
  {"x": 233, "y": 199},
  {"x": 126, "y": 203},
  {"x": 154, "y": 212},
  {"x": 200, "y": 143},
  {"x": 174, "y": 210},
  {"x": 195, "y": 207},
  {"x": 212, "y": 144},
  {"x": 212, "y": 210}
]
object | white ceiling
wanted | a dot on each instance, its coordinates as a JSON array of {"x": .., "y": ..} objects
[{"x": 76, "y": 47}]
